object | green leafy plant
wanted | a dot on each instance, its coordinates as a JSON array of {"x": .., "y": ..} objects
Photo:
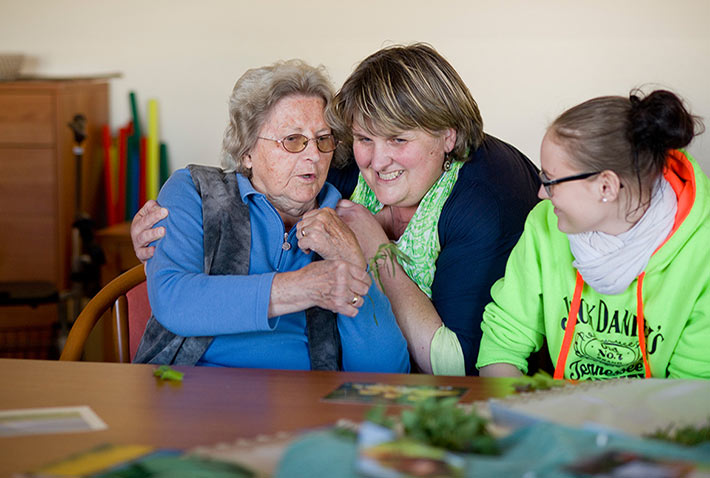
[
  {"x": 164, "y": 372},
  {"x": 443, "y": 424},
  {"x": 385, "y": 256},
  {"x": 378, "y": 415},
  {"x": 539, "y": 381},
  {"x": 689, "y": 435}
]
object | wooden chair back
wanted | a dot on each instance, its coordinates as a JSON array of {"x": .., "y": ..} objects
[{"x": 127, "y": 298}]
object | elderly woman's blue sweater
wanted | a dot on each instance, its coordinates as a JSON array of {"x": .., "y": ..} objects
[{"x": 233, "y": 308}]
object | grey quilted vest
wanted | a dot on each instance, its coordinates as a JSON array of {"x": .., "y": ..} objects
[{"x": 227, "y": 244}]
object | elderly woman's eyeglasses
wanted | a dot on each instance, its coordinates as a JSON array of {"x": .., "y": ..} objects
[
  {"x": 295, "y": 143},
  {"x": 547, "y": 183}
]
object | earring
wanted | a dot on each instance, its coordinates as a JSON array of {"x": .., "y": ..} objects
[
  {"x": 604, "y": 199},
  {"x": 447, "y": 162}
]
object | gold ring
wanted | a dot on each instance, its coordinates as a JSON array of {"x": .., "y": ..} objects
[
  {"x": 355, "y": 299},
  {"x": 303, "y": 232}
]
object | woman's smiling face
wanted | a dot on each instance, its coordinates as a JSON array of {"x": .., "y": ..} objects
[
  {"x": 401, "y": 168},
  {"x": 577, "y": 204}
]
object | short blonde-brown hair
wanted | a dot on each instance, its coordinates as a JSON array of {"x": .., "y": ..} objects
[
  {"x": 400, "y": 88},
  {"x": 252, "y": 98}
]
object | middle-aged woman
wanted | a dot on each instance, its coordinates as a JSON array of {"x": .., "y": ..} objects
[
  {"x": 453, "y": 198},
  {"x": 235, "y": 282},
  {"x": 613, "y": 269}
]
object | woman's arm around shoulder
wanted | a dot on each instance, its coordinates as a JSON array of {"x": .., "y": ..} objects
[{"x": 142, "y": 231}]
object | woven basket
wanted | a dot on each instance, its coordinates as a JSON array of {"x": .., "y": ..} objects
[{"x": 10, "y": 64}]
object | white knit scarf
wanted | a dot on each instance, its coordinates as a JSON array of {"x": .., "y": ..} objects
[{"x": 609, "y": 263}]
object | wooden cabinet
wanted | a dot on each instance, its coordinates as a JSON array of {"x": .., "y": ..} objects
[
  {"x": 38, "y": 179},
  {"x": 116, "y": 243}
]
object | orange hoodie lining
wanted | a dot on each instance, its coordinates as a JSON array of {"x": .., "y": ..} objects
[{"x": 680, "y": 175}]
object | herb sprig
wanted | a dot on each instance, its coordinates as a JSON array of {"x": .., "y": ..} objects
[
  {"x": 386, "y": 256},
  {"x": 386, "y": 251},
  {"x": 164, "y": 372},
  {"x": 441, "y": 423},
  {"x": 690, "y": 435},
  {"x": 541, "y": 380}
]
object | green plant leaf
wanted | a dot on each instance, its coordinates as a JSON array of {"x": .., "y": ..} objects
[
  {"x": 378, "y": 416},
  {"x": 443, "y": 424},
  {"x": 689, "y": 435},
  {"x": 541, "y": 380},
  {"x": 374, "y": 314},
  {"x": 164, "y": 372},
  {"x": 386, "y": 251}
]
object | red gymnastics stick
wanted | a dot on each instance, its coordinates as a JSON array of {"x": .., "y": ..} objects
[{"x": 108, "y": 176}]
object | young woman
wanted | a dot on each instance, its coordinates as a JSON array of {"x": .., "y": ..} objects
[{"x": 613, "y": 269}]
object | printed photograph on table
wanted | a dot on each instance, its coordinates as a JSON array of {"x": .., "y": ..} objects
[
  {"x": 37, "y": 421},
  {"x": 382, "y": 455},
  {"x": 380, "y": 393},
  {"x": 403, "y": 458}
]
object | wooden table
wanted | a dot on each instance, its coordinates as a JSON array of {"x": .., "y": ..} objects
[{"x": 211, "y": 405}]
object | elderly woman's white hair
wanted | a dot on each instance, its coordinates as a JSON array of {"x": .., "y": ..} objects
[{"x": 253, "y": 96}]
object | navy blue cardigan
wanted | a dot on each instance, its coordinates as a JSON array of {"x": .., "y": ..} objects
[{"x": 480, "y": 223}]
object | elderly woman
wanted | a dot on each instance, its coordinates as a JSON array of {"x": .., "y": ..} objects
[
  {"x": 613, "y": 266},
  {"x": 235, "y": 282},
  {"x": 426, "y": 176}
]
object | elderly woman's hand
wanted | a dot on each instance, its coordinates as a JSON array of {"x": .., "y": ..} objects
[
  {"x": 322, "y": 231},
  {"x": 334, "y": 284},
  {"x": 368, "y": 231},
  {"x": 142, "y": 231}
]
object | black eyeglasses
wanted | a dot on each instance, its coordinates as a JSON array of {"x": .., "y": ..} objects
[
  {"x": 547, "y": 183},
  {"x": 295, "y": 143}
]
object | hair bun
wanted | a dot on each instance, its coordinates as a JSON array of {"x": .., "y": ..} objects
[{"x": 659, "y": 122}]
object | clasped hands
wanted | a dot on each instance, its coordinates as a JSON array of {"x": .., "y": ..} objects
[{"x": 338, "y": 283}]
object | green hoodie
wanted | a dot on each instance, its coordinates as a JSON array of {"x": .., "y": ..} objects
[{"x": 532, "y": 301}]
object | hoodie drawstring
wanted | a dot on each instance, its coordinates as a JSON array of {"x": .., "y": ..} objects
[{"x": 572, "y": 322}]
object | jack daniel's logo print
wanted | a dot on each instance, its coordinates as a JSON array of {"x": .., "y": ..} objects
[{"x": 606, "y": 342}]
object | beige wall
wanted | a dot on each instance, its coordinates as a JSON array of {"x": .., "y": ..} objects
[{"x": 525, "y": 61}]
